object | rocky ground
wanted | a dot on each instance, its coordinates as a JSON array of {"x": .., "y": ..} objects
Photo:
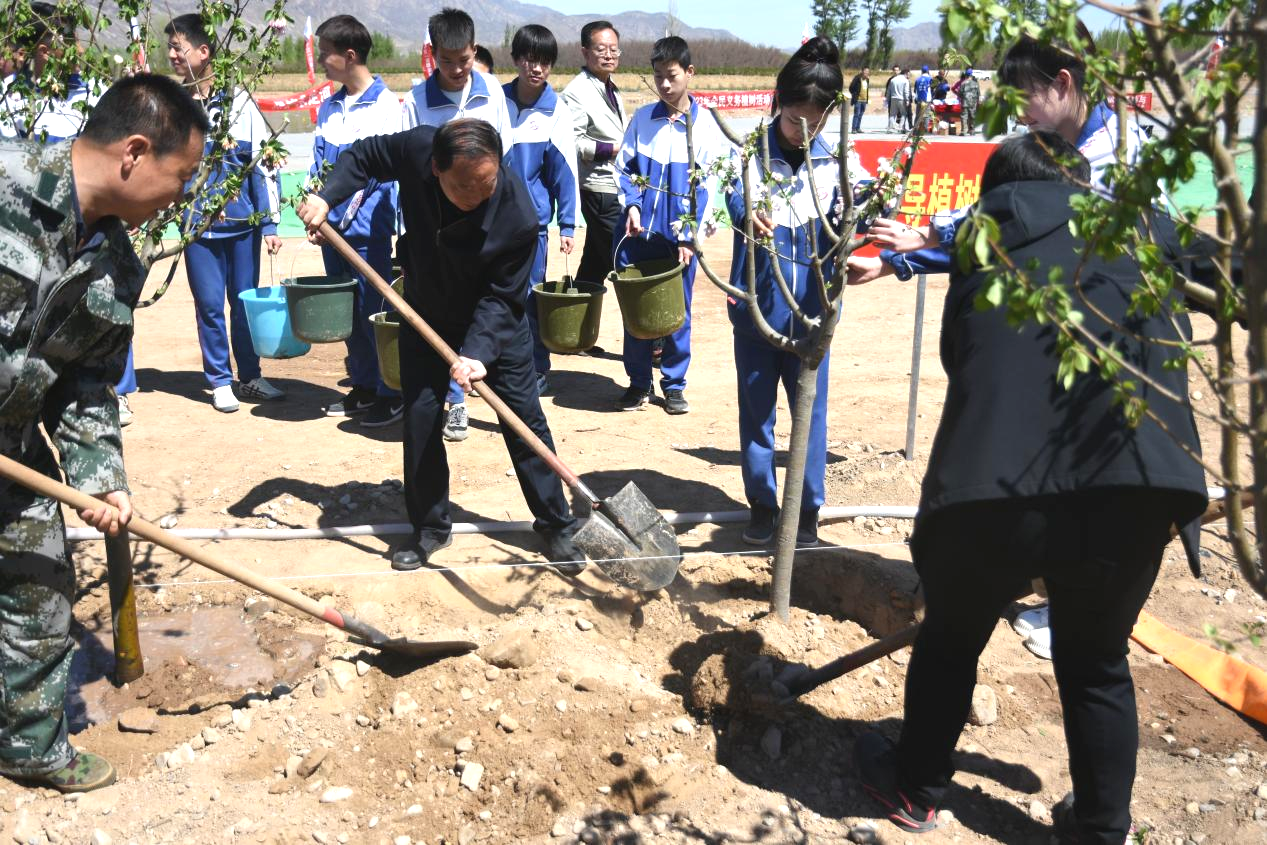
[{"x": 584, "y": 715}]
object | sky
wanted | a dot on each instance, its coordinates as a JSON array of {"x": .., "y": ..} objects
[{"x": 751, "y": 20}]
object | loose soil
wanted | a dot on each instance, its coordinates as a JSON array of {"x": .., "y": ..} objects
[{"x": 595, "y": 739}]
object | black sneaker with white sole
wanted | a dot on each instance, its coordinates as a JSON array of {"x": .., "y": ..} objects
[
  {"x": 675, "y": 402},
  {"x": 358, "y": 400},
  {"x": 385, "y": 411},
  {"x": 762, "y": 521},
  {"x": 876, "y": 761},
  {"x": 634, "y": 398}
]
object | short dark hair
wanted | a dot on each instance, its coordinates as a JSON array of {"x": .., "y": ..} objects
[
  {"x": 466, "y": 137},
  {"x": 812, "y": 75},
  {"x": 535, "y": 42},
  {"x": 671, "y": 48},
  {"x": 1036, "y": 156},
  {"x": 484, "y": 57},
  {"x": 345, "y": 32},
  {"x": 192, "y": 28},
  {"x": 451, "y": 29},
  {"x": 148, "y": 104},
  {"x": 587, "y": 31}
]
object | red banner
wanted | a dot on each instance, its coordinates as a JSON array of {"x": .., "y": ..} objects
[
  {"x": 310, "y": 99},
  {"x": 734, "y": 99},
  {"x": 946, "y": 174},
  {"x": 1142, "y": 101}
]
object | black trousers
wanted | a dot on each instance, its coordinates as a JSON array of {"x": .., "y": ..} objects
[
  {"x": 425, "y": 380},
  {"x": 1099, "y": 553},
  {"x": 602, "y": 213}
]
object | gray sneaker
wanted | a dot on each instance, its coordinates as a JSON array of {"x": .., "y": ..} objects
[{"x": 456, "y": 424}]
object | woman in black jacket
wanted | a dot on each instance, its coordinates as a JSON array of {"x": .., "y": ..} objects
[{"x": 1029, "y": 479}]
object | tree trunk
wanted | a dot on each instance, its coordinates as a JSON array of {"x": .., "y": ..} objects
[{"x": 793, "y": 482}]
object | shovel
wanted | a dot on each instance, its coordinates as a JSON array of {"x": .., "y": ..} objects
[
  {"x": 625, "y": 535},
  {"x": 364, "y": 634}
]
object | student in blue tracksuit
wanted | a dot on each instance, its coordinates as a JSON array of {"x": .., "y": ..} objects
[
  {"x": 655, "y": 150},
  {"x": 806, "y": 88},
  {"x": 226, "y": 260},
  {"x": 361, "y": 108},
  {"x": 544, "y": 155},
  {"x": 456, "y": 90}
]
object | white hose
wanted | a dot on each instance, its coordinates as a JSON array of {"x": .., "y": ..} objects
[
  {"x": 837, "y": 514},
  {"x": 390, "y": 528}
]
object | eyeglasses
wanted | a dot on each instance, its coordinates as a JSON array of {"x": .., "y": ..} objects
[{"x": 614, "y": 52}]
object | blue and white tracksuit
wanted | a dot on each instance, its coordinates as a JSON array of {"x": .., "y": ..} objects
[
  {"x": 923, "y": 88},
  {"x": 226, "y": 260},
  {"x": 544, "y": 155},
  {"x": 1098, "y": 144},
  {"x": 760, "y": 366},
  {"x": 367, "y": 221},
  {"x": 429, "y": 105},
  {"x": 655, "y": 148}
]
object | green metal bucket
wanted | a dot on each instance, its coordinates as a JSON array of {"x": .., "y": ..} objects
[
  {"x": 568, "y": 314},
  {"x": 320, "y": 307},
  {"x": 651, "y": 298},
  {"x": 387, "y": 342}
]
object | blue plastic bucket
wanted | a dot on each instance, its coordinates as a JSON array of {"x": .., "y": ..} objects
[{"x": 269, "y": 320}]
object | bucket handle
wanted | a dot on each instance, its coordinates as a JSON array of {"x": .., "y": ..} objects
[{"x": 623, "y": 237}]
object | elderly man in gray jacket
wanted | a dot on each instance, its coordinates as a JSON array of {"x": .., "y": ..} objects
[{"x": 598, "y": 120}]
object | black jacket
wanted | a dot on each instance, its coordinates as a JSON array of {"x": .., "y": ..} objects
[
  {"x": 472, "y": 275},
  {"x": 1008, "y": 428}
]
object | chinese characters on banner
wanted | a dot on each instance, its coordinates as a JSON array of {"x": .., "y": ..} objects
[
  {"x": 1142, "y": 101},
  {"x": 734, "y": 99},
  {"x": 946, "y": 175}
]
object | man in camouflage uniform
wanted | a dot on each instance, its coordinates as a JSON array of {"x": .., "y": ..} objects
[{"x": 69, "y": 280}]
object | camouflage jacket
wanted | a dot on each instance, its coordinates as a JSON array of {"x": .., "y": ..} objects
[{"x": 65, "y": 326}]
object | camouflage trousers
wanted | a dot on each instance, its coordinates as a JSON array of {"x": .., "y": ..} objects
[{"x": 37, "y": 590}]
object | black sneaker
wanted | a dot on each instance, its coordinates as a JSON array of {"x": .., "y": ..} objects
[
  {"x": 357, "y": 401},
  {"x": 807, "y": 529},
  {"x": 543, "y": 384},
  {"x": 413, "y": 556},
  {"x": 634, "y": 398},
  {"x": 762, "y": 521},
  {"x": 675, "y": 402},
  {"x": 565, "y": 557},
  {"x": 385, "y": 411},
  {"x": 876, "y": 761}
]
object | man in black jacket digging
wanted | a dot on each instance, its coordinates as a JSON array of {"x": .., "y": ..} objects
[{"x": 471, "y": 224}]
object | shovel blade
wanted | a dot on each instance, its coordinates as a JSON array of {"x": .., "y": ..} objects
[
  {"x": 631, "y": 541},
  {"x": 418, "y": 649}
]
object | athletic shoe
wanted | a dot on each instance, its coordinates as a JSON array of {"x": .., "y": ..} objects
[
  {"x": 125, "y": 411},
  {"x": 1030, "y": 618},
  {"x": 761, "y": 524},
  {"x": 414, "y": 556},
  {"x": 260, "y": 390},
  {"x": 634, "y": 398},
  {"x": 84, "y": 773},
  {"x": 1064, "y": 823},
  {"x": 565, "y": 558},
  {"x": 543, "y": 384},
  {"x": 456, "y": 424},
  {"x": 385, "y": 411},
  {"x": 675, "y": 402},
  {"x": 1039, "y": 643},
  {"x": 876, "y": 761},
  {"x": 358, "y": 400},
  {"x": 223, "y": 400},
  {"x": 807, "y": 529}
]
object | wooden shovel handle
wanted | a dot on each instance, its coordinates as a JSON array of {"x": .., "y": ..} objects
[
  {"x": 507, "y": 416},
  {"x": 73, "y": 498}
]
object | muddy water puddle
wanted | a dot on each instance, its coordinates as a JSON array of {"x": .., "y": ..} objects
[{"x": 193, "y": 659}]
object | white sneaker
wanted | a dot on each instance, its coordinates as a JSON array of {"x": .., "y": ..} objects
[
  {"x": 1027, "y": 621},
  {"x": 223, "y": 400},
  {"x": 1039, "y": 642},
  {"x": 260, "y": 390},
  {"x": 456, "y": 423},
  {"x": 125, "y": 411}
]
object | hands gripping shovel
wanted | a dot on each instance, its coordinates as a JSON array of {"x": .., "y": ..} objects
[{"x": 625, "y": 536}]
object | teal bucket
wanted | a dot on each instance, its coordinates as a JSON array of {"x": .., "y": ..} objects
[
  {"x": 269, "y": 321},
  {"x": 320, "y": 307}
]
